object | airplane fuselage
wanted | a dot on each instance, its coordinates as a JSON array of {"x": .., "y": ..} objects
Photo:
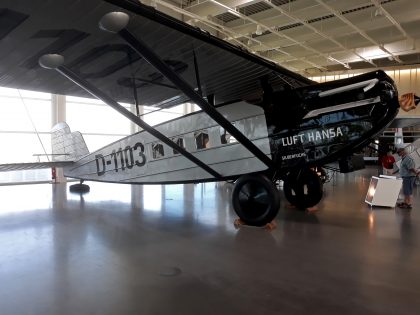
[
  {"x": 141, "y": 158},
  {"x": 324, "y": 133}
]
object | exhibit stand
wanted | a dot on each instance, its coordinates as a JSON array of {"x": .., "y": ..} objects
[{"x": 383, "y": 191}]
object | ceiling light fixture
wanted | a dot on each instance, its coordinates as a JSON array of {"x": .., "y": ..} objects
[
  {"x": 345, "y": 65},
  {"x": 259, "y": 30},
  {"x": 378, "y": 12}
]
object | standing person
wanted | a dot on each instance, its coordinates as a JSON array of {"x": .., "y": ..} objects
[
  {"x": 388, "y": 163},
  {"x": 408, "y": 173}
]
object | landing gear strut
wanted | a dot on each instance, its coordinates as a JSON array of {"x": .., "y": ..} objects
[
  {"x": 255, "y": 199},
  {"x": 303, "y": 188},
  {"x": 80, "y": 188}
]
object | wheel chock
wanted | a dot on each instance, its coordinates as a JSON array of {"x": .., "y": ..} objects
[{"x": 269, "y": 226}]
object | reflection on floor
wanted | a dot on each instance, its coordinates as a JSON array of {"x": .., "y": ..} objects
[{"x": 124, "y": 249}]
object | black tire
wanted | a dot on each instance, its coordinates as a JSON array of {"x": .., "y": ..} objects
[
  {"x": 322, "y": 174},
  {"x": 255, "y": 199},
  {"x": 79, "y": 188},
  {"x": 303, "y": 188}
]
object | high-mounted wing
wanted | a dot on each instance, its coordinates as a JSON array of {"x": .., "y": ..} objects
[{"x": 31, "y": 29}]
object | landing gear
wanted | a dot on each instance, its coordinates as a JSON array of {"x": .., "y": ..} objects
[
  {"x": 80, "y": 188},
  {"x": 255, "y": 199},
  {"x": 303, "y": 188},
  {"x": 322, "y": 174}
]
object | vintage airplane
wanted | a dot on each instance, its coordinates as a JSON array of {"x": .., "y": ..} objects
[{"x": 259, "y": 122}]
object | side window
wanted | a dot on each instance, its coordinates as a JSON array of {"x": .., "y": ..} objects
[
  {"x": 157, "y": 150},
  {"x": 201, "y": 139},
  {"x": 225, "y": 137},
  {"x": 180, "y": 142}
]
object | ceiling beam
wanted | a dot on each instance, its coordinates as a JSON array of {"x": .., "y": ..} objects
[
  {"x": 357, "y": 29},
  {"x": 322, "y": 34},
  {"x": 232, "y": 35},
  {"x": 271, "y": 30}
]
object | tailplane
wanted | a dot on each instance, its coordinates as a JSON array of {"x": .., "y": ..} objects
[{"x": 67, "y": 145}]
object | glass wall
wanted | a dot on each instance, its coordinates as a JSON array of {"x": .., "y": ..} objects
[
  {"x": 25, "y": 123},
  {"x": 154, "y": 116},
  {"x": 99, "y": 123}
]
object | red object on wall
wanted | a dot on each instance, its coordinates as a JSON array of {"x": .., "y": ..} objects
[{"x": 53, "y": 173}]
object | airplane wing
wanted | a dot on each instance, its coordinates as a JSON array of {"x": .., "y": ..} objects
[{"x": 213, "y": 66}]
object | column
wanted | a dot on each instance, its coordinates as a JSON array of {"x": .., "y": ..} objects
[{"x": 58, "y": 114}]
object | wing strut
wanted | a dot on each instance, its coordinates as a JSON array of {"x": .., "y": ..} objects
[
  {"x": 115, "y": 22},
  {"x": 55, "y": 61},
  {"x": 136, "y": 98},
  {"x": 197, "y": 75},
  {"x": 133, "y": 82}
]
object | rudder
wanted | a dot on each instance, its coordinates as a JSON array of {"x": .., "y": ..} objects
[{"x": 67, "y": 145}]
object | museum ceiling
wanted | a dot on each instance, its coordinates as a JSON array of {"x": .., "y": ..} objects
[{"x": 311, "y": 36}]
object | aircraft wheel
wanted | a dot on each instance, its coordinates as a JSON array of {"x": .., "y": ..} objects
[
  {"x": 255, "y": 199},
  {"x": 79, "y": 188},
  {"x": 322, "y": 174},
  {"x": 303, "y": 188}
]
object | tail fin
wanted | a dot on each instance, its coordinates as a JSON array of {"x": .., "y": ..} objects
[{"x": 67, "y": 145}]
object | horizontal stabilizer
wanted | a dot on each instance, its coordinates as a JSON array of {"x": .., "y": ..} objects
[
  {"x": 67, "y": 147},
  {"x": 32, "y": 166}
]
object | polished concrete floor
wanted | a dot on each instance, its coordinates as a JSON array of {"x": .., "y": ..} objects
[{"x": 174, "y": 250}]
